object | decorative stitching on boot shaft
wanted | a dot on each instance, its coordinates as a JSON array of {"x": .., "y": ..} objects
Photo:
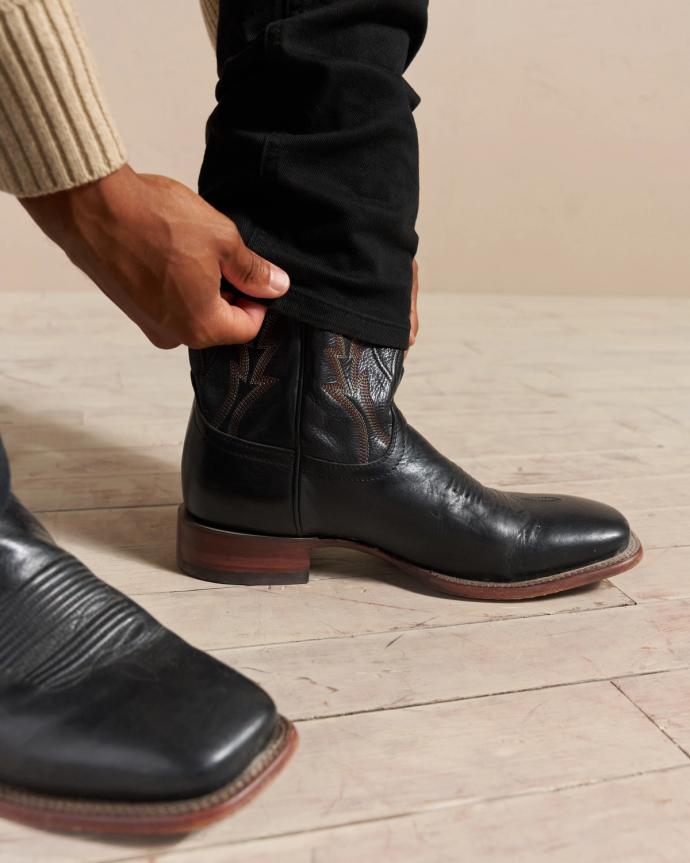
[
  {"x": 247, "y": 378},
  {"x": 352, "y": 390}
]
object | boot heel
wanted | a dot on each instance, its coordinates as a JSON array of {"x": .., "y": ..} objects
[{"x": 239, "y": 558}]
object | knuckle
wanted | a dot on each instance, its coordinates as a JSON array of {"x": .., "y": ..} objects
[
  {"x": 231, "y": 229},
  {"x": 231, "y": 239},
  {"x": 163, "y": 342},
  {"x": 251, "y": 269},
  {"x": 197, "y": 335},
  {"x": 198, "y": 343}
]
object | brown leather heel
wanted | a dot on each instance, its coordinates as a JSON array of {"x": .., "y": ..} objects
[{"x": 239, "y": 558}]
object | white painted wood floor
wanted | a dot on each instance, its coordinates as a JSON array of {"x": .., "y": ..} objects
[{"x": 432, "y": 729}]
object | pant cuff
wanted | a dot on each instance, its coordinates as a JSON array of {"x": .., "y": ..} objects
[{"x": 300, "y": 305}]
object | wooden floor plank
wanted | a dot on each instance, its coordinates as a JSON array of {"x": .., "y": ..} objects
[
  {"x": 374, "y": 672},
  {"x": 665, "y": 698},
  {"x": 641, "y": 819},
  {"x": 379, "y": 765},
  {"x": 340, "y": 608},
  {"x": 664, "y": 575}
]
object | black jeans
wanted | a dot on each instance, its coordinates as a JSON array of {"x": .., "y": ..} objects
[{"x": 312, "y": 151}]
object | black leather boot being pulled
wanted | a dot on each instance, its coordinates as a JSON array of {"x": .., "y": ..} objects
[
  {"x": 295, "y": 442},
  {"x": 108, "y": 721}
]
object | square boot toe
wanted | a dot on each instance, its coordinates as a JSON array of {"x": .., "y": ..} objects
[{"x": 164, "y": 723}]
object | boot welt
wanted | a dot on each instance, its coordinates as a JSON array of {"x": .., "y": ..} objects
[
  {"x": 229, "y": 557},
  {"x": 163, "y": 817}
]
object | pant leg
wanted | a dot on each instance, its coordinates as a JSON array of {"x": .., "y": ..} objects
[
  {"x": 312, "y": 151},
  {"x": 4, "y": 477}
]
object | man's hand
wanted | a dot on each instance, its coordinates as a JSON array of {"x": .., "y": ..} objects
[{"x": 158, "y": 251}]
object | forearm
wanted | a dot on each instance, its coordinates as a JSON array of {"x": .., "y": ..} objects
[{"x": 55, "y": 129}]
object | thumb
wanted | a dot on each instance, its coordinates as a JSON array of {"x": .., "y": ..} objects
[
  {"x": 232, "y": 323},
  {"x": 250, "y": 273}
]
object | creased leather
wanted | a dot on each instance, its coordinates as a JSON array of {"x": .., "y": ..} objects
[
  {"x": 420, "y": 506},
  {"x": 97, "y": 699}
]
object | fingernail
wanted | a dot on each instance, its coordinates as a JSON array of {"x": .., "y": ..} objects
[{"x": 279, "y": 281}]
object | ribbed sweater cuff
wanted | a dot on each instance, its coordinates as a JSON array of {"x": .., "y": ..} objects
[
  {"x": 209, "y": 10},
  {"x": 55, "y": 129}
]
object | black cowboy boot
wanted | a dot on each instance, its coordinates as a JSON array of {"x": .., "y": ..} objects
[
  {"x": 108, "y": 721},
  {"x": 295, "y": 442}
]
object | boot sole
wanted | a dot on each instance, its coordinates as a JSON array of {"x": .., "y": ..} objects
[
  {"x": 164, "y": 817},
  {"x": 229, "y": 557}
]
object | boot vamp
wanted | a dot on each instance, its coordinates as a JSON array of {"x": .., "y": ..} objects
[
  {"x": 97, "y": 699},
  {"x": 562, "y": 532},
  {"x": 165, "y": 722},
  {"x": 419, "y": 506}
]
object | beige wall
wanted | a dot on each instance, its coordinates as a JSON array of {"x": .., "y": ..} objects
[
  {"x": 556, "y": 142},
  {"x": 555, "y": 139}
]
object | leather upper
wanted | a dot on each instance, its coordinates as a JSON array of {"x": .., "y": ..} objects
[
  {"x": 351, "y": 467},
  {"x": 247, "y": 390},
  {"x": 420, "y": 506},
  {"x": 97, "y": 699}
]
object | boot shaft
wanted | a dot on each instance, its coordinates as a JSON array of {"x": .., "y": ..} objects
[
  {"x": 250, "y": 390},
  {"x": 314, "y": 392}
]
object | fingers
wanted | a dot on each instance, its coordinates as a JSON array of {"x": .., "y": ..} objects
[
  {"x": 221, "y": 324},
  {"x": 249, "y": 272},
  {"x": 215, "y": 318},
  {"x": 226, "y": 324}
]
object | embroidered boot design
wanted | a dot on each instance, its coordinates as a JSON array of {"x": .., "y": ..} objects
[
  {"x": 248, "y": 379},
  {"x": 359, "y": 373}
]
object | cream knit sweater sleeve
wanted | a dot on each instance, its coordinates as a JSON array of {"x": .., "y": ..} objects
[{"x": 55, "y": 128}]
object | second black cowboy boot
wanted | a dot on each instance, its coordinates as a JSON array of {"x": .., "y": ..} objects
[
  {"x": 295, "y": 442},
  {"x": 108, "y": 721}
]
